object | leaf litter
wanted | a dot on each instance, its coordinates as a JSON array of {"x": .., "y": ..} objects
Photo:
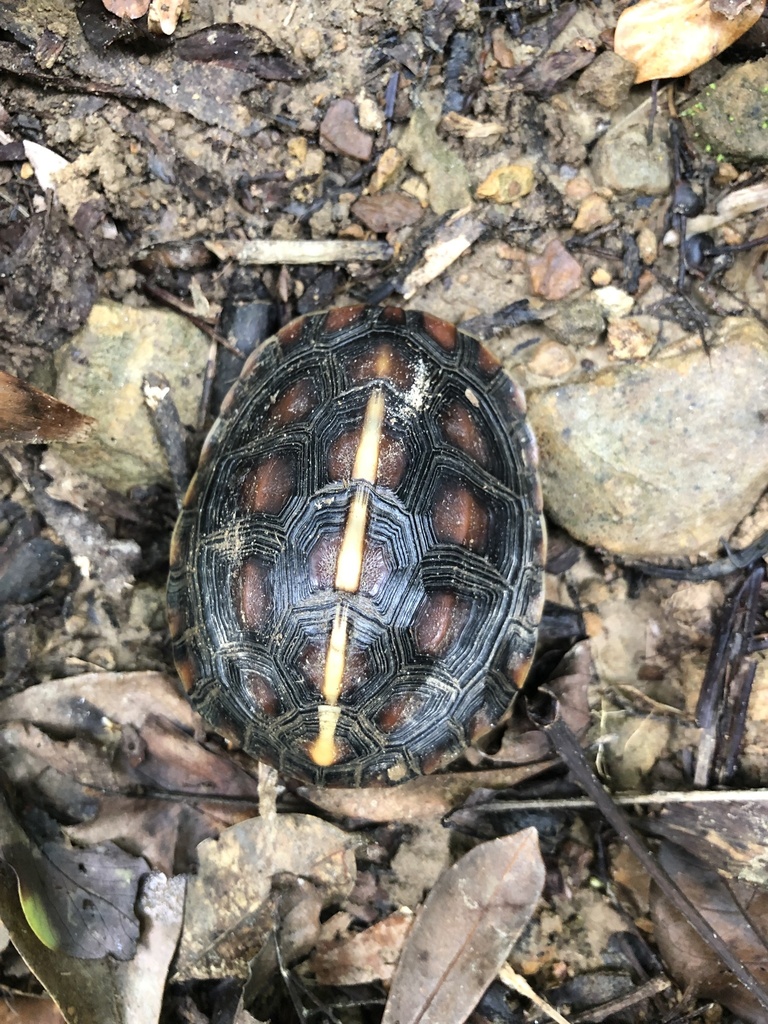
[{"x": 327, "y": 892}]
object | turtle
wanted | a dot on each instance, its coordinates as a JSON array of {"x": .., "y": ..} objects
[{"x": 356, "y": 573}]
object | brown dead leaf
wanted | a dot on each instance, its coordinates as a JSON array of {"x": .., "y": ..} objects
[
  {"x": 82, "y": 702},
  {"x": 739, "y": 914},
  {"x": 732, "y": 838},
  {"x": 231, "y": 903},
  {"x": 30, "y": 415},
  {"x": 83, "y": 747},
  {"x": 430, "y": 796},
  {"x": 470, "y": 921},
  {"x": 569, "y": 683},
  {"x": 104, "y": 989},
  {"x": 360, "y": 958},
  {"x": 16, "y": 1008},
  {"x": 670, "y": 38}
]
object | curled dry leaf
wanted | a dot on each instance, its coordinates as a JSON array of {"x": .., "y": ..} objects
[
  {"x": 737, "y": 913},
  {"x": 470, "y": 921},
  {"x": 670, "y": 38},
  {"x": 32, "y": 416}
]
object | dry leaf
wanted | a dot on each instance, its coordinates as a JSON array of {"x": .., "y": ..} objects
[
  {"x": 670, "y": 38},
  {"x": 29, "y": 415},
  {"x": 464, "y": 933},
  {"x": 737, "y": 914},
  {"x": 430, "y": 796},
  {"x": 360, "y": 958},
  {"x": 225, "y": 925},
  {"x": 106, "y": 989}
]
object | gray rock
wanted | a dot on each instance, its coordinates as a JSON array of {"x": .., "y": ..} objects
[
  {"x": 624, "y": 162},
  {"x": 577, "y": 322},
  {"x": 607, "y": 80},
  {"x": 729, "y": 117},
  {"x": 663, "y": 458},
  {"x": 100, "y": 373},
  {"x": 446, "y": 175}
]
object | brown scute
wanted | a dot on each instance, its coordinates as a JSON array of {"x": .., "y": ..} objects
[
  {"x": 291, "y": 333},
  {"x": 382, "y": 362},
  {"x": 177, "y": 622},
  {"x": 400, "y": 710},
  {"x": 312, "y": 665},
  {"x": 393, "y": 460},
  {"x": 263, "y": 694},
  {"x": 439, "y": 622},
  {"x": 461, "y": 429},
  {"x": 322, "y": 561},
  {"x": 393, "y": 315},
  {"x": 294, "y": 404},
  {"x": 513, "y": 399},
  {"x": 186, "y": 673},
  {"x": 480, "y": 724},
  {"x": 439, "y": 759},
  {"x": 177, "y": 554},
  {"x": 254, "y": 599},
  {"x": 342, "y": 750},
  {"x": 342, "y": 316},
  {"x": 376, "y": 569},
  {"x": 441, "y": 331},
  {"x": 517, "y": 669},
  {"x": 268, "y": 486},
  {"x": 487, "y": 362},
  {"x": 192, "y": 493},
  {"x": 341, "y": 455},
  {"x": 459, "y": 517}
]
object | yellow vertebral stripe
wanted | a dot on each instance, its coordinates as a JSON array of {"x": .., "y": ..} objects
[
  {"x": 335, "y": 658},
  {"x": 350, "y": 562},
  {"x": 367, "y": 454},
  {"x": 349, "y": 567},
  {"x": 323, "y": 751}
]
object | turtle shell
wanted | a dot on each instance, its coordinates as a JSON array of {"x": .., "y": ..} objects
[{"x": 356, "y": 573}]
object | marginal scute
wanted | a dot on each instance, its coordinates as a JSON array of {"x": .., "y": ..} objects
[
  {"x": 441, "y": 331},
  {"x": 291, "y": 333},
  {"x": 342, "y": 316},
  {"x": 356, "y": 576}
]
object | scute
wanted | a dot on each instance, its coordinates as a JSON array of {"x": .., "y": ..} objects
[{"x": 393, "y": 442}]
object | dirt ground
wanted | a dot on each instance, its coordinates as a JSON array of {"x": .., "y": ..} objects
[{"x": 167, "y": 201}]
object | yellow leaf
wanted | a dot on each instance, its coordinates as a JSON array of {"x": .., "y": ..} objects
[{"x": 670, "y": 38}]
